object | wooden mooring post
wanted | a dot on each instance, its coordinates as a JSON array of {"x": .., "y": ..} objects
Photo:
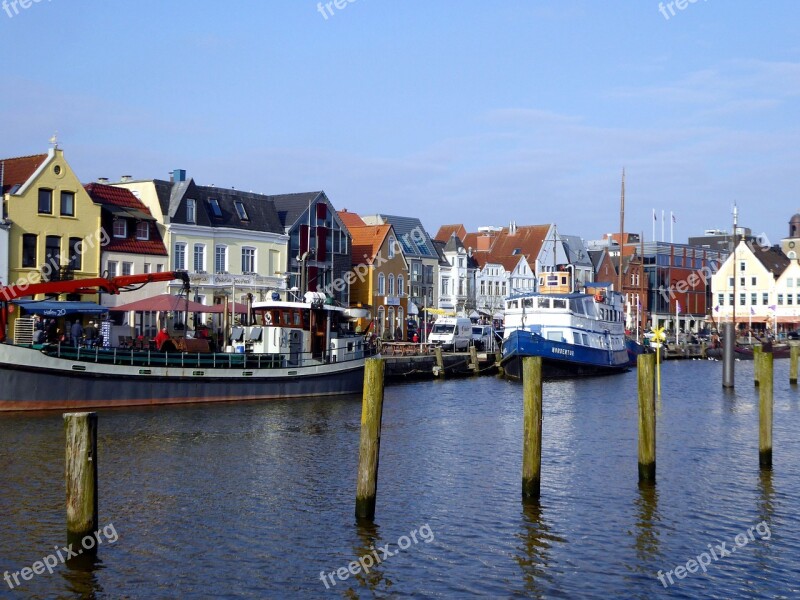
[
  {"x": 439, "y": 361},
  {"x": 81, "y": 477},
  {"x": 473, "y": 355},
  {"x": 645, "y": 367},
  {"x": 794, "y": 352},
  {"x": 498, "y": 357},
  {"x": 765, "y": 411},
  {"x": 532, "y": 426},
  {"x": 728, "y": 354},
  {"x": 370, "y": 443},
  {"x": 758, "y": 351}
]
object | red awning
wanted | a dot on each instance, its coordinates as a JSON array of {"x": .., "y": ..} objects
[
  {"x": 239, "y": 309},
  {"x": 163, "y": 302}
]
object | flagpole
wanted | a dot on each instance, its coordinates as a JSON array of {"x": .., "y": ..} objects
[
  {"x": 662, "y": 224},
  {"x": 654, "y": 224},
  {"x": 671, "y": 226}
]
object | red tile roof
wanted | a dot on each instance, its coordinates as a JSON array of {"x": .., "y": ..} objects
[
  {"x": 16, "y": 171},
  {"x": 446, "y": 231},
  {"x": 367, "y": 241},
  {"x": 108, "y": 194},
  {"x": 350, "y": 219}
]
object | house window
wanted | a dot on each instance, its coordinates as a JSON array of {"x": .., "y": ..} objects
[
  {"x": 391, "y": 247},
  {"x": 765, "y": 298},
  {"x": 147, "y": 268},
  {"x": 142, "y": 230},
  {"x": 730, "y": 281},
  {"x": 445, "y": 287},
  {"x": 45, "y": 202},
  {"x": 216, "y": 211},
  {"x": 52, "y": 251},
  {"x": 249, "y": 260},
  {"x": 391, "y": 285},
  {"x": 460, "y": 262},
  {"x": 401, "y": 285},
  {"x": 730, "y": 299},
  {"x": 112, "y": 266},
  {"x": 504, "y": 288},
  {"x": 483, "y": 288},
  {"x": 75, "y": 252},
  {"x": 742, "y": 266},
  {"x": 741, "y": 281},
  {"x": 721, "y": 299},
  {"x": 221, "y": 259},
  {"x": 199, "y": 258},
  {"x": 180, "y": 257},
  {"x": 240, "y": 210},
  {"x": 753, "y": 281},
  {"x": 120, "y": 228},
  {"x": 191, "y": 210},
  {"x": 29, "y": 241},
  {"x": 67, "y": 204},
  {"x": 780, "y": 299},
  {"x": 159, "y": 268},
  {"x": 381, "y": 285},
  {"x": 789, "y": 298},
  {"x": 127, "y": 268},
  {"x": 742, "y": 299},
  {"x": 753, "y": 299}
]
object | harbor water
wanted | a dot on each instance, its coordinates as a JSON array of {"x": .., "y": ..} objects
[{"x": 256, "y": 500}]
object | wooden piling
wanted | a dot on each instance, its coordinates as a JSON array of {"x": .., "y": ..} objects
[
  {"x": 80, "y": 430},
  {"x": 757, "y": 353},
  {"x": 473, "y": 355},
  {"x": 645, "y": 366},
  {"x": 794, "y": 351},
  {"x": 498, "y": 357},
  {"x": 439, "y": 361},
  {"x": 765, "y": 411},
  {"x": 728, "y": 354},
  {"x": 370, "y": 443},
  {"x": 532, "y": 426}
]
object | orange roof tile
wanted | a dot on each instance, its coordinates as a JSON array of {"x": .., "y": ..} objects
[
  {"x": 446, "y": 231},
  {"x": 350, "y": 220},
  {"x": 16, "y": 171},
  {"x": 367, "y": 242}
]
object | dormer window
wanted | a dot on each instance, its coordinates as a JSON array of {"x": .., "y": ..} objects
[
  {"x": 142, "y": 230},
  {"x": 240, "y": 210},
  {"x": 191, "y": 211},
  {"x": 216, "y": 211},
  {"x": 120, "y": 228}
]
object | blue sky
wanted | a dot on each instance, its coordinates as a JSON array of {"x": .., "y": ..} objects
[{"x": 470, "y": 111}]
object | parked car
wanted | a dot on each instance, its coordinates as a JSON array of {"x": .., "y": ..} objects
[
  {"x": 482, "y": 336},
  {"x": 793, "y": 335}
]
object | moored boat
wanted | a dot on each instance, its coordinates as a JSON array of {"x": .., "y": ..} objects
[
  {"x": 575, "y": 333},
  {"x": 289, "y": 349}
]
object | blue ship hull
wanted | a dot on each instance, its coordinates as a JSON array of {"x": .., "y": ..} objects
[{"x": 560, "y": 360}]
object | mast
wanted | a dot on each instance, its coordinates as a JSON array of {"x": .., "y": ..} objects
[
  {"x": 642, "y": 316},
  {"x": 733, "y": 253},
  {"x": 621, "y": 237}
]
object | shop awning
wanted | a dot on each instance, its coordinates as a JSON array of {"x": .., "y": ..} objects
[
  {"x": 163, "y": 302},
  {"x": 55, "y": 309}
]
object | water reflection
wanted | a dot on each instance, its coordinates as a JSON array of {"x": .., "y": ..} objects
[
  {"x": 371, "y": 574},
  {"x": 535, "y": 558},
  {"x": 647, "y": 523},
  {"x": 80, "y": 575},
  {"x": 766, "y": 506}
]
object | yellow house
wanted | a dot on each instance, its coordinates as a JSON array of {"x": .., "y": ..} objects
[
  {"x": 55, "y": 228},
  {"x": 378, "y": 279}
]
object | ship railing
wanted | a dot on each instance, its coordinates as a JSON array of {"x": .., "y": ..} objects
[{"x": 200, "y": 360}]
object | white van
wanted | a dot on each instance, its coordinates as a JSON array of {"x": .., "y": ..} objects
[{"x": 451, "y": 333}]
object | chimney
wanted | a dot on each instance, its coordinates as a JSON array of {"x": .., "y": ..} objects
[
  {"x": 103, "y": 180},
  {"x": 125, "y": 179},
  {"x": 178, "y": 175}
]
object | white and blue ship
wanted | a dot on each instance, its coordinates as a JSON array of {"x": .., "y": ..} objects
[{"x": 575, "y": 333}]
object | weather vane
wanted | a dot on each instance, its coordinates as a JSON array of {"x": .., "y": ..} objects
[{"x": 54, "y": 140}]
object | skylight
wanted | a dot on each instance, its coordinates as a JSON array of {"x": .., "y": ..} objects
[
  {"x": 241, "y": 210},
  {"x": 213, "y": 203}
]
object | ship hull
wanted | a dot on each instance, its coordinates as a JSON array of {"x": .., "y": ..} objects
[
  {"x": 33, "y": 380},
  {"x": 559, "y": 360}
]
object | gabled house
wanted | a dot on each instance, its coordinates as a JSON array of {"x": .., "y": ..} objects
[
  {"x": 230, "y": 242},
  {"x": 55, "y": 230},
  {"x": 418, "y": 250},
  {"x": 134, "y": 243},
  {"x": 378, "y": 279},
  {"x": 319, "y": 255},
  {"x": 749, "y": 289},
  {"x": 579, "y": 258},
  {"x": 456, "y": 276}
]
